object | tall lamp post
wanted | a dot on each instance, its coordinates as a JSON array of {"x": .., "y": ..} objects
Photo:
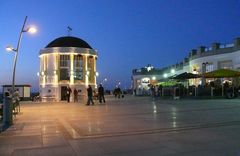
[
  {"x": 104, "y": 80},
  {"x": 16, "y": 50}
]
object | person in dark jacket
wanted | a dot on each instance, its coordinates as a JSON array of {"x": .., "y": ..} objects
[
  {"x": 101, "y": 93},
  {"x": 90, "y": 95},
  {"x": 69, "y": 91},
  {"x": 119, "y": 92},
  {"x": 75, "y": 92}
]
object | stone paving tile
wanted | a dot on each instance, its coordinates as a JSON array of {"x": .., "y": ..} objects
[
  {"x": 160, "y": 151},
  {"x": 86, "y": 147},
  {"x": 6, "y": 151},
  {"x": 218, "y": 152},
  {"x": 126, "y": 146},
  {"x": 50, "y": 151},
  {"x": 54, "y": 141}
]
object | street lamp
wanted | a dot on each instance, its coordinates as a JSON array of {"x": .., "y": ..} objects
[
  {"x": 97, "y": 74},
  {"x": 154, "y": 78},
  {"x": 165, "y": 75},
  {"x": 10, "y": 48},
  {"x": 103, "y": 81},
  {"x": 172, "y": 71}
]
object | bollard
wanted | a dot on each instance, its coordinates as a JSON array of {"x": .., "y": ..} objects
[
  {"x": 7, "y": 112},
  {"x": 212, "y": 88}
]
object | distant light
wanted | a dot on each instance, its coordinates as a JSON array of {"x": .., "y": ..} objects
[
  {"x": 38, "y": 74},
  {"x": 32, "y": 30},
  {"x": 88, "y": 73},
  {"x": 172, "y": 71},
  {"x": 194, "y": 72},
  {"x": 54, "y": 72},
  {"x": 42, "y": 73},
  {"x": 105, "y": 79},
  {"x": 154, "y": 78},
  {"x": 165, "y": 75},
  {"x": 97, "y": 74},
  {"x": 149, "y": 67},
  {"x": 10, "y": 48}
]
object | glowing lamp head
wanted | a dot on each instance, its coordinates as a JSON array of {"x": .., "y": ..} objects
[
  {"x": 97, "y": 74},
  {"x": 32, "y": 30},
  {"x": 9, "y": 48},
  {"x": 148, "y": 68},
  {"x": 165, "y": 75},
  {"x": 172, "y": 71},
  {"x": 88, "y": 73},
  {"x": 154, "y": 78}
]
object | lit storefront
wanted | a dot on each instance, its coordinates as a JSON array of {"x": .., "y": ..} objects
[{"x": 199, "y": 61}]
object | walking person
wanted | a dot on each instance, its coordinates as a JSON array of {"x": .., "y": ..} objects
[
  {"x": 119, "y": 92},
  {"x": 115, "y": 92},
  {"x": 69, "y": 91},
  {"x": 101, "y": 93},
  {"x": 75, "y": 92},
  {"x": 16, "y": 101},
  {"x": 90, "y": 95}
]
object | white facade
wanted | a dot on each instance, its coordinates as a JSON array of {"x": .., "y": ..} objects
[
  {"x": 199, "y": 61},
  {"x": 62, "y": 67}
]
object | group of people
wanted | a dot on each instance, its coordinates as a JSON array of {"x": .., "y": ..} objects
[
  {"x": 118, "y": 92},
  {"x": 75, "y": 93},
  {"x": 101, "y": 97}
]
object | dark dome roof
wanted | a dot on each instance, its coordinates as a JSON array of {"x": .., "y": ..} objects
[{"x": 68, "y": 41}]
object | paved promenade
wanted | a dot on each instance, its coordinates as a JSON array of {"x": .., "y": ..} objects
[{"x": 132, "y": 126}]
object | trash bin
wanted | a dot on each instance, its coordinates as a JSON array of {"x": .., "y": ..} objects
[{"x": 7, "y": 111}]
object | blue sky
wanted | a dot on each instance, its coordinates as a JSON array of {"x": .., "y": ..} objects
[{"x": 128, "y": 34}]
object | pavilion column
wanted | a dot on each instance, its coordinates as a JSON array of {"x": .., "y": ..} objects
[
  {"x": 85, "y": 69},
  {"x": 56, "y": 70},
  {"x": 43, "y": 73},
  {"x": 94, "y": 70},
  {"x": 71, "y": 69}
]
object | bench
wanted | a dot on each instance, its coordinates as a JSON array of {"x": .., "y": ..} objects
[{"x": 48, "y": 98}]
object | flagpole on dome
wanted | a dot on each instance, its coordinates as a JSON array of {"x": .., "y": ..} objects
[{"x": 69, "y": 30}]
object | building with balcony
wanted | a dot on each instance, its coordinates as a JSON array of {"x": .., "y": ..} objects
[
  {"x": 200, "y": 60},
  {"x": 66, "y": 62}
]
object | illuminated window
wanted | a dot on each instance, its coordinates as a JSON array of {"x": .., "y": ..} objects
[
  {"x": 64, "y": 67},
  {"x": 225, "y": 64},
  {"x": 64, "y": 61},
  {"x": 209, "y": 67},
  {"x": 78, "y": 67},
  {"x": 64, "y": 74}
]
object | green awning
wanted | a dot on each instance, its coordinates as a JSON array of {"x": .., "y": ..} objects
[{"x": 222, "y": 73}]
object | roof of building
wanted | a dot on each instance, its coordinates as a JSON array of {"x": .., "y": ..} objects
[
  {"x": 22, "y": 85},
  {"x": 68, "y": 41}
]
